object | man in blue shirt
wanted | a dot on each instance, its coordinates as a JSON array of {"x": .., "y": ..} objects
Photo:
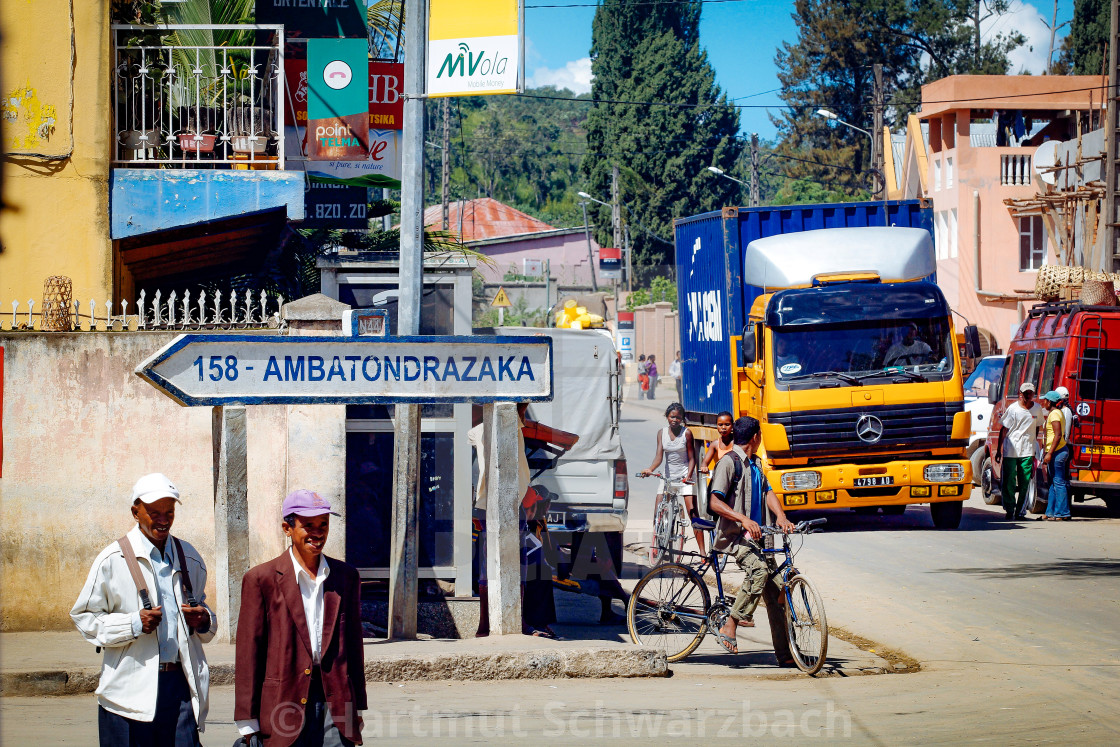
[{"x": 738, "y": 504}]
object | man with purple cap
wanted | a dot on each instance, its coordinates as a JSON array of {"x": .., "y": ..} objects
[
  {"x": 144, "y": 606},
  {"x": 300, "y": 672}
]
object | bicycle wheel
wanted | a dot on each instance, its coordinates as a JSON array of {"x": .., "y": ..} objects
[
  {"x": 661, "y": 542},
  {"x": 806, "y": 625},
  {"x": 669, "y": 610}
]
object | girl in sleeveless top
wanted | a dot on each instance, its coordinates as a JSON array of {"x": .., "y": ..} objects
[
  {"x": 722, "y": 445},
  {"x": 675, "y": 448}
]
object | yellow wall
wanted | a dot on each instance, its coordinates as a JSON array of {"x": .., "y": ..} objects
[{"x": 56, "y": 220}]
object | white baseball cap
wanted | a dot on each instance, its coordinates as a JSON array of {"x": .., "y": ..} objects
[
  {"x": 153, "y": 487},
  {"x": 1026, "y": 386},
  {"x": 1062, "y": 392}
]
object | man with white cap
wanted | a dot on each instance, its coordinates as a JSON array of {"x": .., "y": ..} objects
[
  {"x": 144, "y": 605},
  {"x": 1018, "y": 438},
  {"x": 300, "y": 672}
]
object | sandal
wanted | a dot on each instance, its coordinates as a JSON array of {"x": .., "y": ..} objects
[
  {"x": 746, "y": 622},
  {"x": 729, "y": 644}
]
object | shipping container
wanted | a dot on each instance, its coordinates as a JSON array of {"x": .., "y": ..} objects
[{"x": 713, "y": 297}]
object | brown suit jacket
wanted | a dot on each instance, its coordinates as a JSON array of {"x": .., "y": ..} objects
[{"x": 273, "y": 672}]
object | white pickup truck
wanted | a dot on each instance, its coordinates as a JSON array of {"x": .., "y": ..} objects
[{"x": 590, "y": 479}]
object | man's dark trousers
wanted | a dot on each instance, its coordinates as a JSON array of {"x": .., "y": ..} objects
[{"x": 173, "y": 726}]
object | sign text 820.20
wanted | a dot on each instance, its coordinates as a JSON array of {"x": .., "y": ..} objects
[{"x": 216, "y": 368}]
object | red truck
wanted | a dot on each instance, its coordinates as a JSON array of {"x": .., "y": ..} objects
[{"x": 1076, "y": 346}]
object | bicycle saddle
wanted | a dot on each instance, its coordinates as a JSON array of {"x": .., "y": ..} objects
[{"x": 703, "y": 524}]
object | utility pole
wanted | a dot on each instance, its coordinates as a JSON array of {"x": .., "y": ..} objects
[
  {"x": 629, "y": 266},
  {"x": 1110, "y": 257},
  {"x": 405, "y": 525},
  {"x": 879, "y": 183},
  {"x": 616, "y": 226},
  {"x": 755, "y": 200},
  {"x": 590, "y": 253},
  {"x": 446, "y": 162}
]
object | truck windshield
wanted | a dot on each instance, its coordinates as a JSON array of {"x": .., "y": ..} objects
[
  {"x": 983, "y": 377},
  {"x": 920, "y": 350}
]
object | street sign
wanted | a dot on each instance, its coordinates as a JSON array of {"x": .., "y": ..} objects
[
  {"x": 475, "y": 47},
  {"x": 501, "y": 300},
  {"x": 216, "y": 370},
  {"x": 337, "y": 100},
  {"x": 365, "y": 322},
  {"x": 625, "y": 335},
  {"x": 610, "y": 263}
]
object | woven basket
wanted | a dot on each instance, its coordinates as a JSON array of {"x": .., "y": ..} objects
[
  {"x": 1051, "y": 278},
  {"x": 1098, "y": 293}
]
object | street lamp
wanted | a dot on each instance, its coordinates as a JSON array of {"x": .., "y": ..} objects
[
  {"x": 725, "y": 175},
  {"x": 587, "y": 235},
  {"x": 832, "y": 115}
]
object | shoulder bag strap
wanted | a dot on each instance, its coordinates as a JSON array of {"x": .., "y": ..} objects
[
  {"x": 134, "y": 569},
  {"x": 184, "y": 575}
]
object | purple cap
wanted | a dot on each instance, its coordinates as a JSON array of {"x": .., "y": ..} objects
[{"x": 306, "y": 503}]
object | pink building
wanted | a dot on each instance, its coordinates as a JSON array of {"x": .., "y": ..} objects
[
  {"x": 518, "y": 244},
  {"x": 970, "y": 149}
]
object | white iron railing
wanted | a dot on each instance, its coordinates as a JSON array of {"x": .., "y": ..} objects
[
  {"x": 1015, "y": 170},
  {"x": 184, "y": 96},
  {"x": 247, "y": 309}
]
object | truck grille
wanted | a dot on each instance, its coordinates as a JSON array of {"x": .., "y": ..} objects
[{"x": 835, "y": 431}]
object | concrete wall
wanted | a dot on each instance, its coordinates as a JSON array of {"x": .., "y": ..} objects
[
  {"x": 35, "y": 70},
  {"x": 79, "y": 427},
  {"x": 567, "y": 252},
  {"x": 656, "y": 331},
  {"x": 534, "y": 293}
]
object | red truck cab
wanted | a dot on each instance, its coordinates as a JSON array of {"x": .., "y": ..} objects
[{"x": 1076, "y": 346}]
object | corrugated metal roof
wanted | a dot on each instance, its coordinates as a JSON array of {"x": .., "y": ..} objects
[
  {"x": 484, "y": 218},
  {"x": 983, "y": 134}
]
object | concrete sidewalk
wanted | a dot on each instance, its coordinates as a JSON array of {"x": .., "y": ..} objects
[{"x": 61, "y": 663}]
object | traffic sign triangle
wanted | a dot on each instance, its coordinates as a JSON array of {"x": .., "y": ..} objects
[{"x": 501, "y": 299}]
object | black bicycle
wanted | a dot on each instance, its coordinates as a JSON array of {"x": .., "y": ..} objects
[{"x": 672, "y": 608}]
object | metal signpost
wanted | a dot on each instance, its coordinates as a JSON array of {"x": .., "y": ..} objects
[{"x": 228, "y": 372}]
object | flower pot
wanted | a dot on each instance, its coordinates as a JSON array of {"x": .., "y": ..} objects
[
  {"x": 191, "y": 142},
  {"x": 247, "y": 144},
  {"x": 139, "y": 139}
]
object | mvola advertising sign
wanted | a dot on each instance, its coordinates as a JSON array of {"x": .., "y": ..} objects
[{"x": 475, "y": 47}]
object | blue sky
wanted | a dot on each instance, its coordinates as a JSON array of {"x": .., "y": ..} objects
[{"x": 741, "y": 39}]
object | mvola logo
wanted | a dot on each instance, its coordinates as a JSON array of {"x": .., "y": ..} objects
[{"x": 468, "y": 64}]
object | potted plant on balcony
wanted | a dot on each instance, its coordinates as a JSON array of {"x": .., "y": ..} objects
[{"x": 198, "y": 135}]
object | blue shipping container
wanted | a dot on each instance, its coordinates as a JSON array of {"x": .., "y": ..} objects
[{"x": 713, "y": 299}]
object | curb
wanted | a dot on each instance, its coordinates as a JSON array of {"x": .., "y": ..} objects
[{"x": 538, "y": 664}]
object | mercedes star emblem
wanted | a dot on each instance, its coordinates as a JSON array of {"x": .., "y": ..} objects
[{"x": 869, "y": 428}]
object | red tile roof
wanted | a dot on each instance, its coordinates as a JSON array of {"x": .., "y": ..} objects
[{"x": 484, "y": 218}]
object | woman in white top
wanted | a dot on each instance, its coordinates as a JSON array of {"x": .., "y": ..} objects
[{"x": 675, "y": 448}]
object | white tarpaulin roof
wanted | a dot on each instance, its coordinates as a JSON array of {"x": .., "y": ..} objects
[{"x": 792, "y": 259}]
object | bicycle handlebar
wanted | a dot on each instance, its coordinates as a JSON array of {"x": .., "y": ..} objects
[
  {"x": 651, "y": 474},
  {"x": 804, "y": 527}
]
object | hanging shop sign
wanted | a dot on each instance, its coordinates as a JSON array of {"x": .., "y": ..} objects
[
  {"x": 315, "y": 19},
  {"x": 337, "y": 99},
  {"x": 386, "y": 104},
  {"x": 475, "y": 47}
]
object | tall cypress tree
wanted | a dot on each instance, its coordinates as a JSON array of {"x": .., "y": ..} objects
[
  {"x": 1089, "y": 36},
  {"x": 651, "y": 54}
]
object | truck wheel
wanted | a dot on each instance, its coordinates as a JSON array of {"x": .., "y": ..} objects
[
  {"x": 894, "y": 510},
  {"x": 988, "y": 486},
  {"x": 947, "y": 514},
  {"x": 978, "y": 457},
  {"x": 1113, "y": 504}
]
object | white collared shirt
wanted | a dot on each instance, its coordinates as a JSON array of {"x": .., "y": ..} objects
[{"x": 311, "y": 590}]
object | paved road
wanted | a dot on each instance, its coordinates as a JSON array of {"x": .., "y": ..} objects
[{"x": 1015, "y": 627}]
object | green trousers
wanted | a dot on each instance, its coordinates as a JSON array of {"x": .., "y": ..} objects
[
  {"x": 748, "y": 556},
  {"x": 1016, "y": 479}
]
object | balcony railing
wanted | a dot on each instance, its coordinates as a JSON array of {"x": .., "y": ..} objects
[
  {"x": 197, "y": 96},
  {"x": 1015, "y": 169}
]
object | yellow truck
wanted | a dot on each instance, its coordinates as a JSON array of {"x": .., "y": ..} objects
[{"x": 839, "y": 341}]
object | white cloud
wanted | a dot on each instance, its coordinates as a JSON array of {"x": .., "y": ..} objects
[
  {"x": 1027, "y": 20},
  {"x": 575, "y": 76}
]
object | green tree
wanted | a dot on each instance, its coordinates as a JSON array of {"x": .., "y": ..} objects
[
  {"x": 651, "y": 53},
  {"x": 830, "y": 67},
  {"x": 1088, "y": 36}
]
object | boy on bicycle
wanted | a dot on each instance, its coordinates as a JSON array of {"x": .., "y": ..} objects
[{"x": 736, "y": 493}]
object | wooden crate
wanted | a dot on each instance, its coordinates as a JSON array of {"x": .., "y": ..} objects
[{"x": 1069, "y": 292}]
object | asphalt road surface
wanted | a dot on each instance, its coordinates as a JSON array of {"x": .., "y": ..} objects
[{"x": 1015, "y": 627}]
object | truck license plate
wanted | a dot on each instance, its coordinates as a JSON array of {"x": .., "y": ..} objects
[
  {"x": 556, "y": 517},
  {"x": 870, "y": 482},
  {"x": 1100, "y": 449}
]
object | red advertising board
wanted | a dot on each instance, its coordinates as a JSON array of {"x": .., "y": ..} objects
[{"x": 386, "y": 105}]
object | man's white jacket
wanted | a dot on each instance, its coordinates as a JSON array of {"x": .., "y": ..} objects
[{"x": 104, "y": 615}]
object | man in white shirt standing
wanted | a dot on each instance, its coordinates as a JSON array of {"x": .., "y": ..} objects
[
  {"x": 675, "y": 372},
  {"x": 154, "y": 678},
  {"x": 1018, "y": 438}
]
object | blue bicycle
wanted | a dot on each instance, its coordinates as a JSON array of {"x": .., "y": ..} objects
[{"x": 672, "y": 608}]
